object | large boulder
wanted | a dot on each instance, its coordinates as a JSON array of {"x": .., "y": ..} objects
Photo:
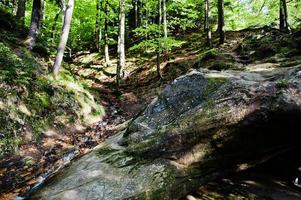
[{"x": 203, "y": 125}]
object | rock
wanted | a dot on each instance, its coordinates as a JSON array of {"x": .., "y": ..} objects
[
  {"x": 203, "y": 125},
  {"x": 183, "y": 94}
]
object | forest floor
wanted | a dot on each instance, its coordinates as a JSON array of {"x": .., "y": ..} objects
[{"x": 36, "y": 161}]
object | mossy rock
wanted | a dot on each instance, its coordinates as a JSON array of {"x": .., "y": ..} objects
[
  {"x": 208, "y": 55},
  {"x": 220, "y": 65},
  {"x": 269, "y": 43},
  {"x": 201, "y": 127}
]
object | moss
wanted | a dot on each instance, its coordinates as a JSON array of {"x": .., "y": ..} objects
[
  {"x": 185, "y": 126},
  {"x": 213, "y": 85},
  {"x": 290, "y": 63},
  {"x": 268, "y": 44},
  {"x": 106, "y": 151},
  {"x": 282, "y": 84},
  {"x": 209, "y": 54},
  {"x": 271, "y": 60},
  {"x": 220, "y": 65},
  {"x": 31, "y": 97}
]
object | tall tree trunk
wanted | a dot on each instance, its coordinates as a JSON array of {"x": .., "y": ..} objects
[
  {"x": 36, "y": 17},
  {"x": 21, "y": 12},
  {"x": 15, "y": 7},
  {"x": 136, "y": 13},
  {"x": 141, "y": 5},
  {"x": 121, "y": 41},
  {"x": 207, "y": 23},
  {"x": 164, "y": 19},
  {"x": 283, "y": 16},
  {"x": 159, "y": 37},
  {"x": 221, "y": 21},
  {"x": 107, "y": 57},
  {"x": 64, "y": 37},
  {"x": 97, "y": 26}
]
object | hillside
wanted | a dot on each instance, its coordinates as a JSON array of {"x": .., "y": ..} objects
[{"x": 145, "y": 100}]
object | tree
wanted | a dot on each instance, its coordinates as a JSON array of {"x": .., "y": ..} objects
[
  {"x": 107, "y": 56},
  {"x": 36, "y": 18},
  {"x": 207, "y": 23},
  {"x": 135, "y": 2},
  {"x": 164, "y": 19},
  {"x": 21, "y": 12},
  {"x": 97, "y": 25},
  {"x": 221, "y": 21},
  {"x": 64, "y": 36},
  {"x": 283, "y": 16},
  {"x": 121, "y": 41},
  {"x": 159, "y": 37},
  {"x": 15, "y": 7}
]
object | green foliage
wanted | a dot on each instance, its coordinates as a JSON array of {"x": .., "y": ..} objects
[
  {"x": 268, "y": 43},
  {"x": 151, "y": 43},
  {"x": 7, "y": 21},
  {"x": 209, "y": 54},
  {"x": 150, "y": 31},
  {"x": 184, "y": 15},
  {"x": 32, "y": 101},
  {"x": 170, "y": 43}
]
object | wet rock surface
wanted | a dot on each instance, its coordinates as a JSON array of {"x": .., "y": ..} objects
[{"x": 202, "y": 126}]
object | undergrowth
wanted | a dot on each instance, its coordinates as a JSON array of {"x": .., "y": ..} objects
[{"x": 31, "y": 100}]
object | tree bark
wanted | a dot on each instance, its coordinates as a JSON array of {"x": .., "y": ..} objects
[
  {"x": 36, "y": 18},
  {"x": 64, "y": 37},
  {"x": 164, "y": 19},
  {"x": 107, "y": 56},
  {"x": 136, "y": 13},
  {"x": 159, "y": 37},
  {"x": 141, "y": 14},
  {"x": 121, "y": 41},
  {"x": 207, "y": 23},
  {"x": 21, "y": 12},
  {"x": 221, "y": 21},
  {"x": 15, "y": 7},
  {"x": 283, "y": 16},
  {"x": 97, "y": 26}
]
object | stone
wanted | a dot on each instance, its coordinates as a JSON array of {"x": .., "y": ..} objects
[{"x": 202, "y": 126}]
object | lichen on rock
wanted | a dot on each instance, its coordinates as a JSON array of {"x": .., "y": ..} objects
[{"x": 203, "y": 125}]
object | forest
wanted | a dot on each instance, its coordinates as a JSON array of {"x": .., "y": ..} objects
[{"x": 150, "y": 99}]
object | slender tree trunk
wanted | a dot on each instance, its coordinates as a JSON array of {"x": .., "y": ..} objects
[
  {"x": 15, "y": 7},
  {"x": 107, "y": 57},
  {"x": 164, "y": 19},
  {"x": 21, "y": 12},
  {"x": 64, "y": 37},
  {"x": 141, "y": 5},
  {"x": 136, "y": 13},
  {"x": 207, "y": 23},
  {"x": 121, "y": 41},
  {"x": 97, "y": 26},
  {"x": 283, "y": 16},
  {"x": 221, "y": 21},
  {"x": 36, "y": 17},
  {"x": 159, "y": 37}
]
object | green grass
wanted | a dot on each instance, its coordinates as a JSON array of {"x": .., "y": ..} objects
[{"x": 31, "y": 100}]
